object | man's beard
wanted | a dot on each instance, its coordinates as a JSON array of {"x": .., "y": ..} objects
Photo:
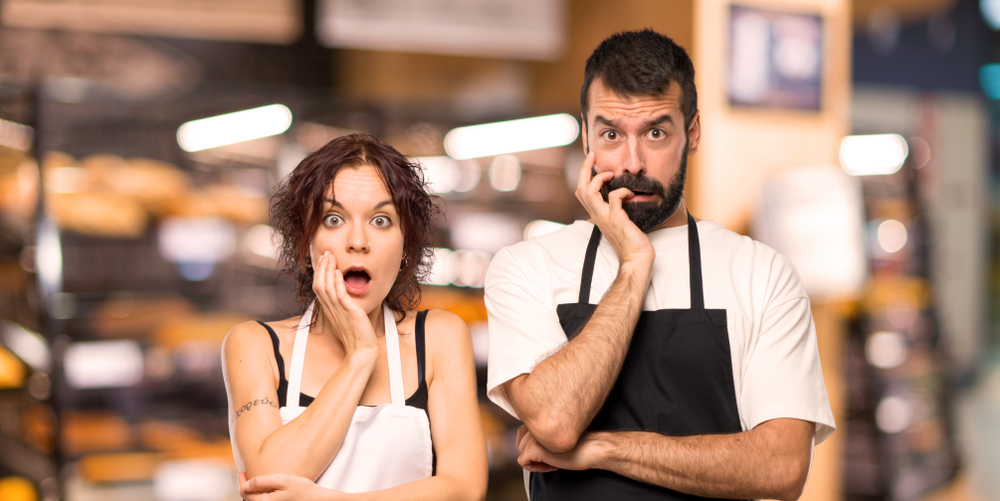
[{"x": 649, "y": 215}]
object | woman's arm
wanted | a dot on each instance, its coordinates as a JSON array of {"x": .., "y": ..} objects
[
  {"x": 456, "y": 429},
  {"x": 308, "y": 444}
]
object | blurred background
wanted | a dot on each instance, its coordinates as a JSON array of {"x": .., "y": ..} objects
[{"x": 140, "y": 141}]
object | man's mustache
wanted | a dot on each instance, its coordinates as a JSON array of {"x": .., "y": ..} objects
[{"x": 635, "y": 184}]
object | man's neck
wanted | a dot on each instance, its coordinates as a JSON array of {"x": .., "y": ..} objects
[{"x": 678, "y": 218}]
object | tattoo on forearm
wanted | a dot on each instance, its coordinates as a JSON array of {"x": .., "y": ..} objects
[{"x": 254, "y": 403}]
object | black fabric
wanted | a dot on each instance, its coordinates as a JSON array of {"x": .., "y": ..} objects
[
  {"x": 418, "y": 399},
  {"x": 421, "y": 402},
  {"x": 676, "y": 380}
]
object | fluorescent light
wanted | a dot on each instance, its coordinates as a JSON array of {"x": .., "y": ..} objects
[
  {"x": 891, "y": 236},
  {"x": 15, "y": 135},
  {"x": 470, "y": 175},
  {"x": 505, "y": 173},
  {"x": 991, "y": 12},
  {"x": 263, "y": 241},
  {"x": 894, "y": 414},
  {"x": 485, "y": 231},
  {"x": 511, "y": 136},
  {"x": 197, "y": 240},
  {"x": 989, "y": 80},
  {"x": 193, "y": 480},
  {"x": 472, "y": 272},
  {"x": 235, "y": 127},
  {"x": 103, "y": 364},
  {"x": 441, "y": 173},
  {"x": 886, "y": 350},
  {"x": 872, "y": 155},
  {"x": 446, "y": 267},
  {"x": 27, "y": 345}
]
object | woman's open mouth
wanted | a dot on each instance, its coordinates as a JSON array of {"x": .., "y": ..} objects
[{"x": 356, "y": 281}]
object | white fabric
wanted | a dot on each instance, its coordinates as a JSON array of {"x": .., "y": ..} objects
[
  {"x": 386, "y": 445},
  {"x": 776, "y": 366}
]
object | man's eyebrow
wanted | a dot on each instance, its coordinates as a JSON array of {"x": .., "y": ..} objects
[
  {"x": 601, "y": 120},
  {"x": 664, "y": 118},
  {"x": 658, "y": 120}
]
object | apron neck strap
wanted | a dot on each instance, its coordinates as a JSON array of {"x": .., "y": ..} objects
[
  {"x": 588, "y": 265},
  {"x": 396, "y": 394},
  {"x": 694, "y": 263},
  {"x": 299, "y": 358}
]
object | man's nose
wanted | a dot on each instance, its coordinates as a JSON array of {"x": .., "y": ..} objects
[{"x": 632, "y": 161}]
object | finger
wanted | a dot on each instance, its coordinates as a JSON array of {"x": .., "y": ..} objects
[
  {"x": 615, "y": 197},
  {"x": 523, "y": 441},
  {"x": 341, "y": 288},
  {"x": 265, "y": 483},
  {"x": 543, "y": 467},
  {"x": 521, "y": 430},
  {"x": 586, "y": 170},
  {"x": 319, "y": 274},
  {"x": 331, "y": 275}
]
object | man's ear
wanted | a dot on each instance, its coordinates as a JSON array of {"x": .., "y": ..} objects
[
  {"x": 583, "y": 132},
  {"x": 694, "y": 133}
]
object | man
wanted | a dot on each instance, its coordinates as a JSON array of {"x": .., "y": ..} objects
[{"x": 650, "y": 356}]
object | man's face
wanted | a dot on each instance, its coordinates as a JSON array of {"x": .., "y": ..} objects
[{"x": 643, "y": 142}]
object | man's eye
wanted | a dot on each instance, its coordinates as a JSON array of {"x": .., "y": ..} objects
[
  {"x": 611, "y": 135},
  {"x": 332, "y": 220},
  {"x": 656, "y": 134},
  {"x": 381, "y": 221}
]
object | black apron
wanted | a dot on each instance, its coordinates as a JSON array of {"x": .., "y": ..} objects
[{"x": 677, "y": 380}]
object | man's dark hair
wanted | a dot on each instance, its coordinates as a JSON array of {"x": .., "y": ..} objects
[{"x": 641, "y": 63}]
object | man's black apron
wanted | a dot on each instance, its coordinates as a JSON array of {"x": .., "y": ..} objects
[{"x": 677, "y": 380}]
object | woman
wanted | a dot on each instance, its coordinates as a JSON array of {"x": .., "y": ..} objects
[{"x": 379, "y": 401}]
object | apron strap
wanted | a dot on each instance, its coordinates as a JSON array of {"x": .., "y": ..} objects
[
  {"x": 396, "y": 394},
  {"x": 694, "y": 262},
  {"x": 588, "y": 265},
  {"x": 298, "y": 358}
]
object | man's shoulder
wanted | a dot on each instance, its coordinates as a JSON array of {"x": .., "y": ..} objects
[
  {"x": 719, "y": 239},
  {"x": 552, "y": 244},
  {"x": 535, "y": 256}
]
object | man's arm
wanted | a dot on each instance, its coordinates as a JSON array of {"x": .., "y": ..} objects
[
  {"x": 770, "y": 461},
  {"x": 562, "y": 394}
]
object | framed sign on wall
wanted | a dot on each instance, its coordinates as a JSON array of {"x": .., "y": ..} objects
[{"x": 775, "y": 59}]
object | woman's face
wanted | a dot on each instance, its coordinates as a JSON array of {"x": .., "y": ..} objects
[{"x": 361, "y": 228}]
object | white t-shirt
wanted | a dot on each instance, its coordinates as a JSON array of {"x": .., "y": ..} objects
[{"x": 776, "y": 366}]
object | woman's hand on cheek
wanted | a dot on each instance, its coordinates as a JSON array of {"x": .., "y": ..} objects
[
  {"x": 283, "y": 487},
  {"x": 347, "y": 319}
]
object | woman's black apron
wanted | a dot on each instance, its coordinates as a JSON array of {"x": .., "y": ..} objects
[{"x": 677, "y": 380}]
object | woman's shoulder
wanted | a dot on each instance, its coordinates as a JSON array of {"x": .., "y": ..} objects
[
  {"x": 244, "y": 337},
  {"x": 252, "y": 335},
  {"x": 444, "y": 323},
  {"x": 446, "y": 334}
]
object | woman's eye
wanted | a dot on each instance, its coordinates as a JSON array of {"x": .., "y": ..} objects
[
  {"x": 381, "y": 221},
  {"x": 332, "y": 220}
]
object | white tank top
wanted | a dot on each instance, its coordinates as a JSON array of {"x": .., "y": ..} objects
[{"x": 386, "y": 445}]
